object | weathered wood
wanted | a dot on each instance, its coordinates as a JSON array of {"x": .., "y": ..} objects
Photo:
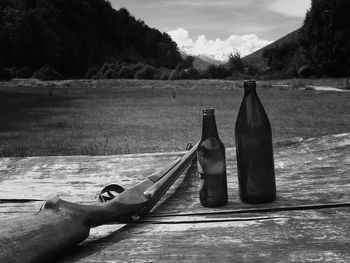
[
  {"x": 73, "y": 178},
  {"x": 309, "y": 222},
  {"x": 313, "y": 171},
  {"x": 296, "y": 236},
  {"x": 60, "y": 225}
]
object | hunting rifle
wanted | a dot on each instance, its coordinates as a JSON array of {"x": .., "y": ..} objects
[{"x": 60, "y": 225}]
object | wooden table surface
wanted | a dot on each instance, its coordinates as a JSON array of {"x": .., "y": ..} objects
[{"x": 309, "y": 222}]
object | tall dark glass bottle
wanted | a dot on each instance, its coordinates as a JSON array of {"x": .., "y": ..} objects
[
  {"x": 256, "y": 172},
  {"x": 211, "y": 164}
]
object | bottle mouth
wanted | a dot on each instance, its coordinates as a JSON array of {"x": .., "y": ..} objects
[
  {"x": 250, "y": 84},
  {"x": 208, "y": 111}
]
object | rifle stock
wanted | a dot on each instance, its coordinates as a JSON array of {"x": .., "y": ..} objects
[
  {"x": 38, "y": 238},
  {"x": 60, "y": 225}
]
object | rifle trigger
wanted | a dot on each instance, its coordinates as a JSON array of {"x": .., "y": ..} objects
[
  {"x": 189, "y": 146},
  {"x": 107, "y": 193}
]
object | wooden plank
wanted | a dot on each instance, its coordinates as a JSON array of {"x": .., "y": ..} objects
[
  {"x": 292, "y": 236},
  {"x": 73, "y": 178},
  {"x": 314, "y": 171},
  {"x": 308, "y": 172}
]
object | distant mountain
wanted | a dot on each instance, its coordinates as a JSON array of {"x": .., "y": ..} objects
[
  {"x": 257, "y": 56},
  {"x": 202, "y": 62}
]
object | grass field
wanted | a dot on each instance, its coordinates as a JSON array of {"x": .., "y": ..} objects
[{"x": 120, "y": 116}]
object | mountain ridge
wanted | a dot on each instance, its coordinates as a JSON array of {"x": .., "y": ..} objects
[{"x": 257, "y": 56}]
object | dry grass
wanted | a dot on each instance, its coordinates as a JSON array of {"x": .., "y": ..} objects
[{"x": 117, "y": 117}]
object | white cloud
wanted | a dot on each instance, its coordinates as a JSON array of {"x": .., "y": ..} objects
[
  {"x": 217, "y": 49},
  {"x": 295, "y": 8}
]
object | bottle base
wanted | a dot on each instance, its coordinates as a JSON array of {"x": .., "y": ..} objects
[
  {"x": 258, "y": 200},
  {"x": 214, "y": 203}
]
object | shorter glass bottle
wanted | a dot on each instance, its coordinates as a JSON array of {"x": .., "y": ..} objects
[{"x": 211, "y": 164}]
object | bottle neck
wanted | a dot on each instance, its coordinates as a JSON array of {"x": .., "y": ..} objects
[
  {"x": 249, "y": 90},
  {"x": 209, "y": 129}
]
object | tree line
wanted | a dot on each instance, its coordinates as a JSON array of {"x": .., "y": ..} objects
[
  {"x": 69, "y": 37},
  {"x": 322, "y": 47},
  {"x": 54, "y": 39}
]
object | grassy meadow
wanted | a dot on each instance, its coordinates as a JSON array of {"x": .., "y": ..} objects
[{"x": 129, "y": 116}]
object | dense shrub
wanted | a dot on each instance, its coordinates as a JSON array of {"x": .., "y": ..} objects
[
  {"x": 91, "y": 73},
  {"x": 175, "y": 73},
  {"x": 5, "y": 74},
  {"x": 47, "y": 73},
  {"x": 24, "y": 73},
  {"x": 275, "y": 75},
  {"x": 190, "y": 73},
  {"x": 235, "y": 63},
  {"x": 71, "y": 35},
  {"x": 109, "y": 74},
  {"x": 13, "y": 71},
  {"x": 217, "y": 72},
  {"x": 164, "y": 74},
  {"x": 105, "y": 68},
  {"x": 305, "y": 72},
  {"x": 147, "y": 72},
  {"x": 126, "y": 72},
  {"x": 240, "y": 76}
]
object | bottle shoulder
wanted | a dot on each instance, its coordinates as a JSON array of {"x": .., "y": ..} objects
[{"x": 252, "y": 116}]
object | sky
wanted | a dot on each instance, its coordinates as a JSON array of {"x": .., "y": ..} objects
[{"x": 218, "y": 28}]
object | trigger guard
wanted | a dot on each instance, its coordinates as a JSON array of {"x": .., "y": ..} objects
[{"x": 106, "y": 193}]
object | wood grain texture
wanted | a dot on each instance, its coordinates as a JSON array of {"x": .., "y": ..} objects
[
  {"x": 297, "y": 236},
  {"x": 301, "y": 226}
]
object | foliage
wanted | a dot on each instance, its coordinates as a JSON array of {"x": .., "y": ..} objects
[
  {"x": 72, "y": 36},
  {"x": 325, "y": 37},
  {"x": 191, "y": 73},
  {"x": 146, "y": 72},
  {"x": 284, "y": 59},
  {"x": 91, "y": 73},
  {"x": 235, "y": 62},
  {"x": 47, "y": 73},
  {"x": 5, "y": 74},
  {"x": 164, "y": 74},
  {"x": 24, "y": 72},
  {"x": 305, "y": 72},
  {"x": 126, "y": 72},
  {"x": 188, "y": 62},
  {"x": 176, "y": 73},
  {"x": 217, "y": 72}
]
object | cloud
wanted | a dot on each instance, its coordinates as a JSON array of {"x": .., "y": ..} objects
[
  {"x": 295, "y": 8},
  {"x": 217, "y": 49}
]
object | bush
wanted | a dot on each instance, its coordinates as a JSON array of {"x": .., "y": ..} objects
[
  {"x": 91, "y": 73},
  {"x": 305, "y": 72},
  {"x": 175, "y": 73},
  {"x": 275, "y": 75},
  {"x": 5, "y": 74},
  {"x": 217, "y": 72},
  {"x": 125, "y": 72},
  {"x": 191, "y": 73},
  {"x": 105, "y": 68},
  {"x": 25, "y": 72},
  {"x": 147, "y": 72},
  {"x": 240, "y": 76},
  {"x": 109, "y": 74},
  {"x": 47, "y": 73},
  {"x": 164, "y": 74},
  {"x": 13, "y": 71}
]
